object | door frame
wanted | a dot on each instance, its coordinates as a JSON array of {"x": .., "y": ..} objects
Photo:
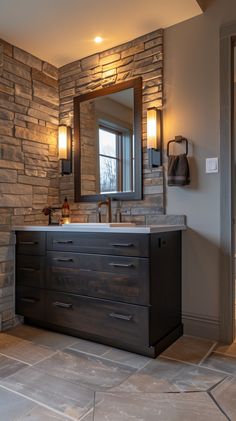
[{"x": 227, "y": 184}]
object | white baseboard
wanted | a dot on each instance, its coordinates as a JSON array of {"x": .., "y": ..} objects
[{"x": 201, "y": 326}]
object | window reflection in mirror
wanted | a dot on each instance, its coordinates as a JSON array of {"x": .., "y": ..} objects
[{"x": 107, "y": 146}]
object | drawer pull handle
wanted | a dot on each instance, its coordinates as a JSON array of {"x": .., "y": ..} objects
[
  {"x": 64, "y": 242},
  {"x": 121, "y": 316},
  {"x": 29, "y": 269},
  {"x": 28, "y": 243},
  {"x": 62, "y": 305},
  {"x": 63, "y": 260},
  {"x": 123, "y": 245},
  {"x": 29, "y": 300},
  {"x": 122, "y": 265}
]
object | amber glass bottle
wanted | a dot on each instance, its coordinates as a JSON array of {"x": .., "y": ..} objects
[{"x": 65, "y": 210}]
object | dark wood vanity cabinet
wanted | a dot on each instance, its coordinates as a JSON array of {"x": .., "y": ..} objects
[{"x": 123, "y": 290}]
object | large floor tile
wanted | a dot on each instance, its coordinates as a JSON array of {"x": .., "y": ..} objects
[
  {"x": 80, "y": 368},
  {"x": 89, "y": 347},
  {"x": 68, "y": 398},
  {"x": 38, "y": 413},
  {"x": 14, "y": 407},
  {"x": 8, "y": 366},
  {"x": 163, "y": 375},
  {"x": 156, "y": 407},
  {"x": 23, "y": 350},
  {"x": 127, "y": 358},
  {"x": 189, "y": 349},
  {"x": 221, "y": 362},
  {"x": 42, "y": 337},
  {"x": 225, "y": 395}
]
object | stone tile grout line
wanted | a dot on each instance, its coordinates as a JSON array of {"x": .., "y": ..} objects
[
  {"x": 45, "y": 358},
  {"x": 218, "y": 405},
  {"x": 39, "y": 403},
  {"x": 209, "y": 352},
  {"x": 214, "y": 400},
  {"x": 15, "y": 359}
]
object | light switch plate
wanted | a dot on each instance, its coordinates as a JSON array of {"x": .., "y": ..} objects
[{"x": 212, "y": 165}]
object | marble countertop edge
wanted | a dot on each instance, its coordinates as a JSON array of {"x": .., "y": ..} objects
[{"x": 138, "y": 229}]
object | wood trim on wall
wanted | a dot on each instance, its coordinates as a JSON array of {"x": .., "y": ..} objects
[{"x": 227, "y": 246}]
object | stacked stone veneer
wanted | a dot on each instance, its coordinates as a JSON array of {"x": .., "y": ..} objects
[
  {"x": 28, "y": 154},
  {"x": 140, "y": 57}
]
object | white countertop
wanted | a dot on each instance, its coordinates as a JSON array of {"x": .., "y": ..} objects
[{"x": 139, "y": 229}]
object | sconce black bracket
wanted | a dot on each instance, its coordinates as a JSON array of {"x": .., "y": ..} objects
[
  {"x": 154, "y": 157},
  {"x": 66, "y": 166}
]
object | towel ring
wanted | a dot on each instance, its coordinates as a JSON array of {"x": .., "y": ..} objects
[{"x": 177, "y": 139}]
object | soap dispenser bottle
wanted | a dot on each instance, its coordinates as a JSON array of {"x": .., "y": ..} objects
[{"x": 65, "y": 212}]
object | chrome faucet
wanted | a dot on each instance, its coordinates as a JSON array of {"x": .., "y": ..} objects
[{"x": 106, "y": 202}]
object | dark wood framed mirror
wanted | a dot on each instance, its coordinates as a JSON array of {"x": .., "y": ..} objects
[{"x": 108, "y": 143}]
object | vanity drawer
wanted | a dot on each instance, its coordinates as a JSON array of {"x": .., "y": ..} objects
[
  {"x": 30, "y": 302},
  {"x": 103, "y": 318},
  {"x": 30, "y": 270},
  {"x": 31, "y": 243},
  {"x": 100, "y": 243},
  {"x": 103, "y": 276}
]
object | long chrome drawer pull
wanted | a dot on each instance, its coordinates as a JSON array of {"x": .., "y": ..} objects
[
  {"x": 63, "y": 305},
  {"x": 29, "y": 300},
  {"x": 122, "y": 265},
  {"x": 28, "y": 243},
  {"x": 64, "y": 242},
  {"x": 123, "y": 245},
  {"x": 63, "y": 260},
  {"x": 121, "y": 316},
  {"x": 29, "y": 269}
]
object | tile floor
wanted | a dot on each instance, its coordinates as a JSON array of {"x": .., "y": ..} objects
[{"x": 47, "y": 376}]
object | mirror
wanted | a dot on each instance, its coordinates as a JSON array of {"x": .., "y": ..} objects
[{"x": 108, "y": 143}]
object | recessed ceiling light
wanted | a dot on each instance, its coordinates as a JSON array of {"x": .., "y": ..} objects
[{"x": 98, "y": 39}]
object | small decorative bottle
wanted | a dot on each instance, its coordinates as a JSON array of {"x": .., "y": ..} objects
[{"x": 65, "y": 212}]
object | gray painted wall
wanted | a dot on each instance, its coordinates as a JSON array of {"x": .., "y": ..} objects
[{"x": 192, "y": 109}]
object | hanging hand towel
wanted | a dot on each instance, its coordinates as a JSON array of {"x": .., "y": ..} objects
[{"x": 178, "y": 170}]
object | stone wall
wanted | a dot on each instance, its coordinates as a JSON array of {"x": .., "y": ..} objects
[
  {"x": 28, "y": 154},
  {"x": 140, "y": 57},
  {"x": 29, "y": 118}
]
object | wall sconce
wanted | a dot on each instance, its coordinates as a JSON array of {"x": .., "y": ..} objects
[
  {"x": 154, "y": 136},
  {"x": 65, "y": 148}
]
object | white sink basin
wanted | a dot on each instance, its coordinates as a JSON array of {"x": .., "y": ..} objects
[{"x": 99, "y": 224}]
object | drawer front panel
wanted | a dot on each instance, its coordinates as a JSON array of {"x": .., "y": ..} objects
[
  {"x": 31, "y": 242},
  {"x": 30, "y": 270},
  {"x": 30, "y": 302},
  {"x": 100, "y": 243},
  {"x": 122, "y": 322},
  {"x": 115, "y": 277}
]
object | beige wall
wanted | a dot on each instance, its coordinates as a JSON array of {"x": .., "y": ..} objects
[{"x": 192, "y": 101}]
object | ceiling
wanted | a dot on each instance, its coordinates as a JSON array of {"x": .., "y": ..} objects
[{"x": 61, "y": 31}]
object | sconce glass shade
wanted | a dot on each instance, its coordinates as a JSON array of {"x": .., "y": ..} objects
[
  {"x": 62, "y": 142},
  {"x": 154, "y": 136},
  {"x": 152, "y": 128},
  {"x": 65, "y": 148}
]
